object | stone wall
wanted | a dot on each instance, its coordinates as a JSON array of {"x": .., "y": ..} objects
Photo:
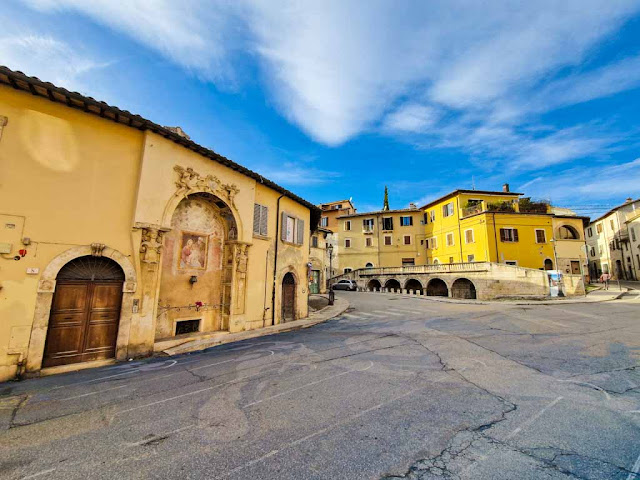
[{"x": 489, "y": 280}]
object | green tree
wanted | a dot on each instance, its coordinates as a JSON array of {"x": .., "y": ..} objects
[{"x": 386, "y": 199}]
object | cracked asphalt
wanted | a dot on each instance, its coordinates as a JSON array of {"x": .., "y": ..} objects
[{"x": 397, "y": 387}]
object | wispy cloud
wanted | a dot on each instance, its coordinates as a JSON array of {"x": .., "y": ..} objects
[
  {"x": 292, "y": 174},
  {"x": 48, "y": 58}
]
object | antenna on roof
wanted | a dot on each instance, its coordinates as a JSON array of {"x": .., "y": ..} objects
[{"x": 473, "y": 183}]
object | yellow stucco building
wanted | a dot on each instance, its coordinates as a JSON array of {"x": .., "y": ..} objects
[
  {"x": 120, "y": 237},
  {"x": 477, "y": 226},
  {"x": 386, "y": 238}
]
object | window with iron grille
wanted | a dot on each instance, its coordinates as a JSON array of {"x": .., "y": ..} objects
[{"x": 260, "y": 219}]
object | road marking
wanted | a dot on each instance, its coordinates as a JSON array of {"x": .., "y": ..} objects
[
  {"x": 634, "y": 470},
  {"x": 307, "y": 385},
  {"x": 389, "y": 313},
  {"x": 588, "y": 384},
  {"x": 532, "y": 419},
  {"x": 351, "y": 315},
  {"x": 271, "y": 353},
  {"x": 376, "y": 315},
  {"x": 412, "y": 311},
  {"x": 188, "y": 394},
  {"x": 318, "y": 432},
  {"x": 94, "y": 393},
  {"x": 43, "y": 472}
]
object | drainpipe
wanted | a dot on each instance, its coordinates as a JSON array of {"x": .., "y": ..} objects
[
  {"x": 495, "y": 238},
  {"x": 459, "y": 227},
  {"x": 275, "y": 264}
]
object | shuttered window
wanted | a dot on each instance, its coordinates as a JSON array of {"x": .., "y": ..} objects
[
  {"x": 468, "y": 236},
  {"x": 508, "y": 235},
  {"x": 292, "y": 229},
  {"x": 260, "y": 219}
]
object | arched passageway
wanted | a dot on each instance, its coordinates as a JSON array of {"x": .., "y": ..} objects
[
  {"x": 85, "y": 312},
  {"x": 413, "y": 285},
  {"x": 437, "y": 288},
  {"x": 463, "y": 288},
  {"x": 548, "y": 264},
  {"x": 392, "y": 285},
  {"x": 288, "y": 298},
  {"x": 374, "y": 285}
]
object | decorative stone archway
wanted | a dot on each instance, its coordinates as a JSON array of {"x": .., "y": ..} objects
[
  {"x": 277, "y": 318},
  {"x": 374, "y": 285},
  {"x": 463, "y": 288},
  {"x": 47, "y": 287},
  {"x": 392, "y": 285},
  {"x": 437, "y": 288}
]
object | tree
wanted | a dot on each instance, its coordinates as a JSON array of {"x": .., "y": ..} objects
[{"x": 386, "y": 199}]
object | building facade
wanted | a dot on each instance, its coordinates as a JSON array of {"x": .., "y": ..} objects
[
  {"x": 332, "y": 210},
  {"x": 633, "y": 228},
  {"x": 320, "y": 261},
  {"x": 486, "y": 226},
  {"x": 386, "y": 238},
  {"x": 609, "y": 244},
  {"x": 119, "y": 235}
]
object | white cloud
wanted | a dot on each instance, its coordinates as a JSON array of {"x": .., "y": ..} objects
[
  {"x": 412, "y": 118},
  {"x": 48, "y": 58},
  {"x": 463, "y": 71},
  {"x": 293, "y": 174}
]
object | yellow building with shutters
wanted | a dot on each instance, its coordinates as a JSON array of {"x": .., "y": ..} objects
[{"x": 503, "y": 227}]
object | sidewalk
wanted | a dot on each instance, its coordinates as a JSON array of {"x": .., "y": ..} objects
[{"x": 314, "y": 318}]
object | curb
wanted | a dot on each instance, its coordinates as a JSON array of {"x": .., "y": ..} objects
[{"x": 315, "y": 318}]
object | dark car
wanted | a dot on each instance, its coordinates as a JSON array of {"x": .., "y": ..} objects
[{"x": 345, "y": 285}]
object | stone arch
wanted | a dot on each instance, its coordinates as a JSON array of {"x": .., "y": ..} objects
[
  {"x": 463, "y": 288},
  {"x": 289, "y": 269},
  {"x": 392, "y": 285},
  {"x": 437, "y": 288},
  {"x": 568, "y": 232},
  {"x": 548, "y": 264},
  {"x": 46, "y": 289},
  {"x": 415, "y": 285},
  {"x": 374, "y": 285},
  {"x": 175, "y": 200},
  {"x": 368, "y": 265}
]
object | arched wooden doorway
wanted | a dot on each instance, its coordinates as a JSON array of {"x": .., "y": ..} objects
[
  {"x": 288, "y": 298},
  {"x": 548, "y": 264},
  {"x": 85, "y": 312}
]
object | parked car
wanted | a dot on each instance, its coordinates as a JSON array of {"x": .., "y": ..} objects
[{"x": 345, "y": 285}]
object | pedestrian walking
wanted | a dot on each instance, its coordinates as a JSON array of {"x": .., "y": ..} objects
[{"x": 604, "y": 278}]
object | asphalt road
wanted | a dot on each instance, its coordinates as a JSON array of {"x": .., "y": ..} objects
[{"x": 396, "y": 387}]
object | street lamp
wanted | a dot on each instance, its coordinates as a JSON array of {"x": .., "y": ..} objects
[{"x": 330, "y": 251}]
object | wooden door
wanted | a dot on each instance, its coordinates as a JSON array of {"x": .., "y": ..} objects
[
  {"x": 288, "y": 298},
  {"x": 575, "y": 267},
  {"x": 314, "y": 287},
  {"x": 83, "y": 324}
]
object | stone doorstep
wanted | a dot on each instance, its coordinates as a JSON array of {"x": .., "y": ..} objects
[{"x": 219, "y": 338}]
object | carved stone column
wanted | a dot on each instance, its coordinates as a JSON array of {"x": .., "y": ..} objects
[
  {"x": 240, "y": 255},
  {"x": 143, "y": 331}
]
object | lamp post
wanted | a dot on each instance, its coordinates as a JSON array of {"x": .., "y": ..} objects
[{"x": 330, "y": 252}]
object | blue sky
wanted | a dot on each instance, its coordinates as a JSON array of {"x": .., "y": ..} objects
[{"x": 337, "y": 99}]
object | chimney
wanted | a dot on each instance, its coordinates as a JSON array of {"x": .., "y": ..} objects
[
  {"x": 505, "y": 187},
  {"x": 629, "y": 200}
]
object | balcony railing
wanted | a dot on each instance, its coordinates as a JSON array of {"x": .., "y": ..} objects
[
  {"x": 442, "y": 268},
  {"x": 473, "y": 210}
]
